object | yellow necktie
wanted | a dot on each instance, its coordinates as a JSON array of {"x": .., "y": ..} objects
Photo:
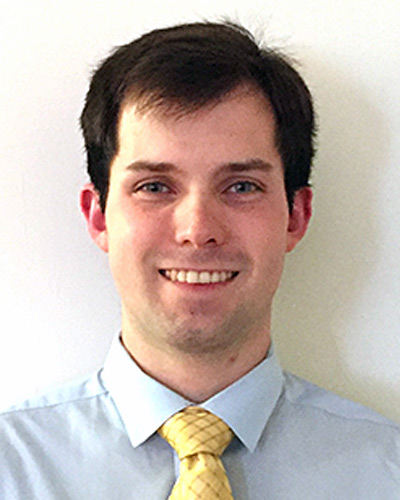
[{"x": 199, "y": 438}]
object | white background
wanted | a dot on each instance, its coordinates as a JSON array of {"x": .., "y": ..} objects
[{"x": 336, "y": 319}]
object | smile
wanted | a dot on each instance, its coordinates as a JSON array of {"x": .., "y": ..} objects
[{"x": 198, "y": 277}]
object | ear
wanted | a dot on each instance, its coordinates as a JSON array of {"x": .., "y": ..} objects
[
  {"x": 95, "y": 217},
  {"x": 299, "y": 217}
]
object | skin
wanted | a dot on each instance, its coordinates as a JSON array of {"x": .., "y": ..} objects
[{"x": 200, "y": 192}]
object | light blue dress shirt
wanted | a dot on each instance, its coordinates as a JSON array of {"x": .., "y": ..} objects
[{"x": 97, "y": 440}]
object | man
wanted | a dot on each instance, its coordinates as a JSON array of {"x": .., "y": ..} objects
[{"x": 199, "y": 150}]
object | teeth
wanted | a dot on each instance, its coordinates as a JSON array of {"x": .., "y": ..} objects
[
  {"x": 215, "y": 277},
  {"x": 192, "y": 277},
  {"x": 203, "y": 277},
  {"x": 181, "y": 276}
]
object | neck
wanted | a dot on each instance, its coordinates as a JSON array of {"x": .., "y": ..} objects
[{"x": 197, "y": 377}]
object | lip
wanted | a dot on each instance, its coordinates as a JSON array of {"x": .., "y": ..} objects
[{"x": 199, "y": 278}]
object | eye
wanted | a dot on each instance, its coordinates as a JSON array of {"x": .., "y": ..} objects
[
  {"x": 153, "y": 188},
  {"x": 243, "y": 187}
]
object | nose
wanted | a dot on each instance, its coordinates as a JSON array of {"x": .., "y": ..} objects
[{"x": 199, "y": 221}]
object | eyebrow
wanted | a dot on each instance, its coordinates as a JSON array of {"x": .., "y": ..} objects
[
  {"x": 166, "y": 167},
  {"x": 246, "y": 165},
  {"x": 149, "y": 166}
]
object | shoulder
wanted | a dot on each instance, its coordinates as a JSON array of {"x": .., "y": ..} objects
[
  {"x": 66, "y": 395},
  {"x": 337, "y": 424},
  {"x": 306, "y": 396},
  {"x": 39, "y": 428},
  {"x": 332, "y": 442},
  {"x": 52, "y": 414},
  {"x": 329, "y": 428},
  {"x": 48, "y": 440}
]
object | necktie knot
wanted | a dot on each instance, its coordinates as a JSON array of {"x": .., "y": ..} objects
[{"x": 195, "y": 430}]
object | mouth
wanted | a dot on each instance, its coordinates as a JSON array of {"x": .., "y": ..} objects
[{"x": 198, "y": 277}]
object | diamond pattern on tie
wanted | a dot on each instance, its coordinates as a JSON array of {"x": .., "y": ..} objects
[{"x": 199, "y": 438}]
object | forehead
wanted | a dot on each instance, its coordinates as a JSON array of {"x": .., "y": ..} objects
[{"x": 236, "y": 128}]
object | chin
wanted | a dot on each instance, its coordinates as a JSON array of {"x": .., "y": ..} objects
[{"x": 201, "y": 337}]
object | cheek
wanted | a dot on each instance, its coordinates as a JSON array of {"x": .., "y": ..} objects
[
  {"x": 266, "y": 243},
  {"x": 264, "y": 232},
  {"x": 133, "y": 237},
  {"x": 128, "y": 246}
]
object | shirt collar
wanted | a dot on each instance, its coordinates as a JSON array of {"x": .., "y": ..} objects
[
  {"x": 145, "y": 404},
  {"x": 248, "y": 403}
]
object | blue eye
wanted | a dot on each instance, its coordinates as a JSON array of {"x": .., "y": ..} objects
[
  {"x": 243, "y": 187},
  {"x": 154, "y": 187}
]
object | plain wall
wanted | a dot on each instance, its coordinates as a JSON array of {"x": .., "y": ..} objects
[{"x": 336, "y": 319}]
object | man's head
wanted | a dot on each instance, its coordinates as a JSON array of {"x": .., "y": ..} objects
[
  {"x": 182, "y": 69},
  {"x": 194, "y": 150}
]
